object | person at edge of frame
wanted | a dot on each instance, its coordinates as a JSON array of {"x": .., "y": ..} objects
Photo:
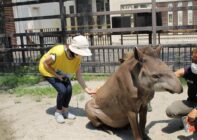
[{"x": 187, "y": 107}]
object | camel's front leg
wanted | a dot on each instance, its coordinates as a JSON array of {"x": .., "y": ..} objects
[
  {"x": 143, "y": 118},
  {"x": 133, "y": 119}
]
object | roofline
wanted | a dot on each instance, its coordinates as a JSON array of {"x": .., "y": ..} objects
[{"x": 157, "y": 1}]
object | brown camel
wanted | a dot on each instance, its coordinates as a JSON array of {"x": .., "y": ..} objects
[{"x": 124, "y": 97}]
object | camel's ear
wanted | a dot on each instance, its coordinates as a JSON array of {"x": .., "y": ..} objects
[
  {"x": 138, "y": 54},
  {"x": 121, "y": 60},
  {"x": 126, "y": 56},
  {"x": 158, "y": 49}
]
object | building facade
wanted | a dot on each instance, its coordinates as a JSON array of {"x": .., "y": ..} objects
[{"x": 170, "y": 18}]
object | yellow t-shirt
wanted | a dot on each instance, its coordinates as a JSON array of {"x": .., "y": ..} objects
[{"x": 61, "y": 63}]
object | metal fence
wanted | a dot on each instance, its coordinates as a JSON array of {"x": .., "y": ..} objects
[
  {"x": 107, "y": 43},
  {"x": 105, "y": 59}
]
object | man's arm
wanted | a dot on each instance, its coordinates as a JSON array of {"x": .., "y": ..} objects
[
  {"x": 192, "y": 115},
  {"x": 179, "y": 73}
]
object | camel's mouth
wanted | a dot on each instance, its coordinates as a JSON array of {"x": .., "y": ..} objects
[
  {"x": 169, "y": 91},
  {"x": 175, "y": 90}
]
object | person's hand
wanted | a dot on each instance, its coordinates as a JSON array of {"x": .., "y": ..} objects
[
  {"x": 60, "y": 77},
  {"x": 90, "y": 91},
  {"x": 192, "y": 116}
]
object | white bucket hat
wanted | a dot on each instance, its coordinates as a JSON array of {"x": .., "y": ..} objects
[{"x": 80, "y": 46}]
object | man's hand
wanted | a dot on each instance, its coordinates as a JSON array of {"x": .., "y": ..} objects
[{"x": 192, "y": 116}]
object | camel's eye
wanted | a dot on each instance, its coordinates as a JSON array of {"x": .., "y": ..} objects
[
  {"x": 156, "y": 76},
  {"x": 143, "y": 60}
]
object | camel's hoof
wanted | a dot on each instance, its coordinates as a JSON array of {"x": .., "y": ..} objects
[{"x": 146, "y": 137}]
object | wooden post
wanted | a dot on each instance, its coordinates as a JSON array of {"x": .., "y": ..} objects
[
  {"x": 91, "y": 37},
  {"x": 154, "y": 34},
  {"x": 150, "y": 38},
  {"x": 137, "y": 39},
  {"x": 63, "y": 20},
  {"x": 41, "y": 42}
]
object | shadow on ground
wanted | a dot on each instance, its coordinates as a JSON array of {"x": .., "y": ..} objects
[
  {"x": 173, "y": 125},
  {"x": 75, "y": 110},
  {"x": 123, "y": 133}
]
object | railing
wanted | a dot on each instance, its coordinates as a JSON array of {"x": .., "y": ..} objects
[{"x": 104, "y": 59}]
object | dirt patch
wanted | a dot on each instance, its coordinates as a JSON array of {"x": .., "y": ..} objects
[
  {"x": 25, "y": 119},
  {"x": 6, "y": 132}
]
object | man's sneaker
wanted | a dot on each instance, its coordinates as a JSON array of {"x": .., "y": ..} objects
[
  {"x": 59, "y": 117},
  {"x": 69, "y": 115},
  {"x": 187, "y": 126}
]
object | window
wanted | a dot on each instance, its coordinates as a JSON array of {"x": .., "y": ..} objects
[
  {"x": 143, "y": 6},
  {"x": 129, "y": 7},
  {"x": 180, "y": 14},
  {"x": 190, "y": 14},
  {"x": 189, "y": 3},
  {"x": 1, "y": 21},
  {"x": 190, "y": 17},
  {"x": 170, "y": 5},
  {"x": 170, "y": 15},
  {"x": 180, "y": 4},
  {"x": 135, "y": 6},
  {"x": 170, "y": 18},
  {"x": 180, "y": 18}
]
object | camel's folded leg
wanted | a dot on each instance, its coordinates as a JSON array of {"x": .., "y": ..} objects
[{"x": 90, "y": 109}]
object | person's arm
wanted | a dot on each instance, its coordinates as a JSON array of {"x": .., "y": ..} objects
[
  {"x": 47, "y": 64},
  {"x": 82, "y": 83},
  {"x": 179, "y": 73},
  {"x": 192, "y": 115}
]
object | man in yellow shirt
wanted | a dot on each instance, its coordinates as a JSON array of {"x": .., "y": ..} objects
[{"x": 56, "y": 66}]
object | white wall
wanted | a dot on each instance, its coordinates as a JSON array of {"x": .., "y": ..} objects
[
  {"x": 36, "y": 10},
  {"x": 45, "y": 9}
]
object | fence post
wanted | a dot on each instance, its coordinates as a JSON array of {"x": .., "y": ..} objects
[
  {"x": 137, "y": 39},
  {"x": 9, "y": 54},
  {"x": 154, "y": 38},
  {"x": 41, "y": 42},
  {"x": 159, "y": 42},
  {"x": 110, "y": 39},
  {"x": 150, "y": 38},
  {"x": 91, "y": 37},
  {"x": 22, "y": 46},
  {"x": 59, "y": 37}
]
